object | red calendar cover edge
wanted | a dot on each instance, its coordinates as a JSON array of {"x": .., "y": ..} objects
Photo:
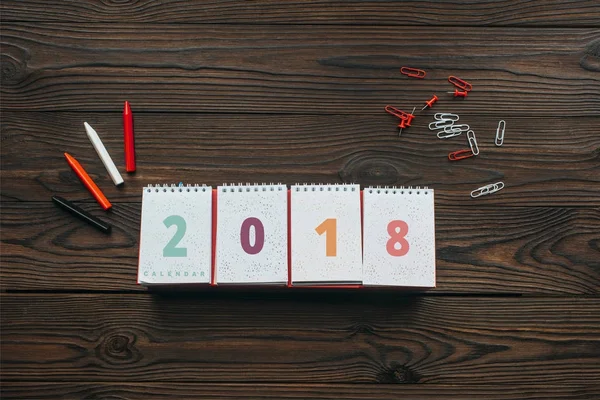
[
  {"x": 289, "y": 232},
  {"x": 213, "y": 271}
]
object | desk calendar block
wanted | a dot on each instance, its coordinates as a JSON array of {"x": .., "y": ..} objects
[
  {"x": 399, "y": 237},
  {"x": 252, "y": 234},
  {"x": 325, "y": 234},
  {"x": 175, "y": 235}
]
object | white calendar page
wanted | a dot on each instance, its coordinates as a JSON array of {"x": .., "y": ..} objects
[
  {"x": 325, "y": 234},
  {"x": 252, "y": 234},
  {"x": 175, "y": 235},
  {"x": 399, "y": 237}
]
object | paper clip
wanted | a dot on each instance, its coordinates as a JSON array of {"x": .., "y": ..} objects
[
  {"x": 449, "y": 134},
  {"x": 460, "y": 155},
  {"x": 459, "y": 83},
  {"x": 487, "y": 189},
  {"x": 460, "y": 127},
  {"x": 394, "y": 111},
  {"x": 405, "y": 118},
  {"x": 413, "y": 72},
  {"x": 441, "y": 124},
  {"x": 399, "y": 113},
  {"x": 473, "y": 142},
  {"x": 500, "y": 133},
  {"x": 446, "y": 117}
]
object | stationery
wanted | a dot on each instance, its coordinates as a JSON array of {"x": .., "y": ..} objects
[
  {"x": 325, "y": 235},
  {"x": 129, "y": 138},
  {"x": 81, "y": 214},
  {"x": 309, "y": 236},
  {"x": 175, "y": 235},
  {"x": 252, "y": 245},
  {"x": 398, "y": 237},
  {"x": 88, "y": 182},
  {"x": 103, "y": 154}
]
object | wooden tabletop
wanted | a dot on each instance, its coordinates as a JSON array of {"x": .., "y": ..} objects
[{"x": 269, "y": 91}]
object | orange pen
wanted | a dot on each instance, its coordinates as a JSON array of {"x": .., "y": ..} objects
[{"x": 88, "y": 182}]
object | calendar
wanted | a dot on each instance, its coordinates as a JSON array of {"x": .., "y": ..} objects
[
  {"x": 326, "y": 234},
  {"x": 306, "y": 235},
  {"x": 252, "y": 234},
  {"x": 175, "y": 235},
  {"x": 399, "y": 237}
]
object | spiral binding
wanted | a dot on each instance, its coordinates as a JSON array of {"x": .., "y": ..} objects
[
  {"x": 298, "y": 187},
  {"x": 172, "y": 188},
  {"x": 326, "y": 187},
  {"x": 400, "y": 190},
  {"x": 254, "y": 187}
]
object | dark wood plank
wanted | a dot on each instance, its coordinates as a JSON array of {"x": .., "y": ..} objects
[
  {"x": 479, "y": 249},
  {"x": 309, "y": 338},
  {"x": 196, "y": 390},
  {"x": 295, "y": 69},
  {"x": 544, "y": 162},
  {"x": 445, "y": 12}
]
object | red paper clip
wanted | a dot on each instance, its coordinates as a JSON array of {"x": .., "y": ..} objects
[
  {"x": 460, "y": 155},
  {"x": 459, "y": 83},
  {"x": 405, "y": 118},
  {"x": 429, "y": 103},
  {"x": 413, "y": 72},
  {"x": 403, "y": 115},
  {"x": 458, "y": 93}
]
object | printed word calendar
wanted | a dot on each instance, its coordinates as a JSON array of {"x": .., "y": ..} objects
[{"x": 307, "y": 235}]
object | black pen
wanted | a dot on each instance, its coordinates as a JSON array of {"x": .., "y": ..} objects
[{"x": 81, "y": 214}]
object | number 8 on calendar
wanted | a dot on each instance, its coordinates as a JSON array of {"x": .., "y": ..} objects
[{"x": 399, "y": 237}]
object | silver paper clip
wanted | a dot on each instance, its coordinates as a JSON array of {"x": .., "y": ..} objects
[
  {"x": 441, "y": 124},
  {"x": 500, "y": 133},
  {"x": 446, "y": 117},
  {"x": 473, "y": 142},
  {"x": 448, "y": 134},
  {"x": 461, "y": 127},
  {"x": 487, "y": 189}
]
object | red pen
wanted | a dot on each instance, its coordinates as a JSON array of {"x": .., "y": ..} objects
[
  {"x": 88, "y": 182},
  {"x": 128, "y": 136}
]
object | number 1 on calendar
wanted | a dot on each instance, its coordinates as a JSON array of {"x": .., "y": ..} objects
[{"x": 329, "y": 228}]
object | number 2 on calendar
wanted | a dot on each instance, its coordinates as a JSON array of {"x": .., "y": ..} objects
[{"x": 171, "y": 249}]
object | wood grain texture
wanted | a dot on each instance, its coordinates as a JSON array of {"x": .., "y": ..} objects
[
  {"x": 541, "y": 166},
  {"x": 295, "y": 69},
  {"x": 195, "y": 390},
  {"x": 479, "y": 249},
  {"x": 350, "y": 339},
  {"x": 549, "y": 13}
]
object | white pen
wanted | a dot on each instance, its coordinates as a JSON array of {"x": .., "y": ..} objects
[{"x": 103, "y": 154}]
